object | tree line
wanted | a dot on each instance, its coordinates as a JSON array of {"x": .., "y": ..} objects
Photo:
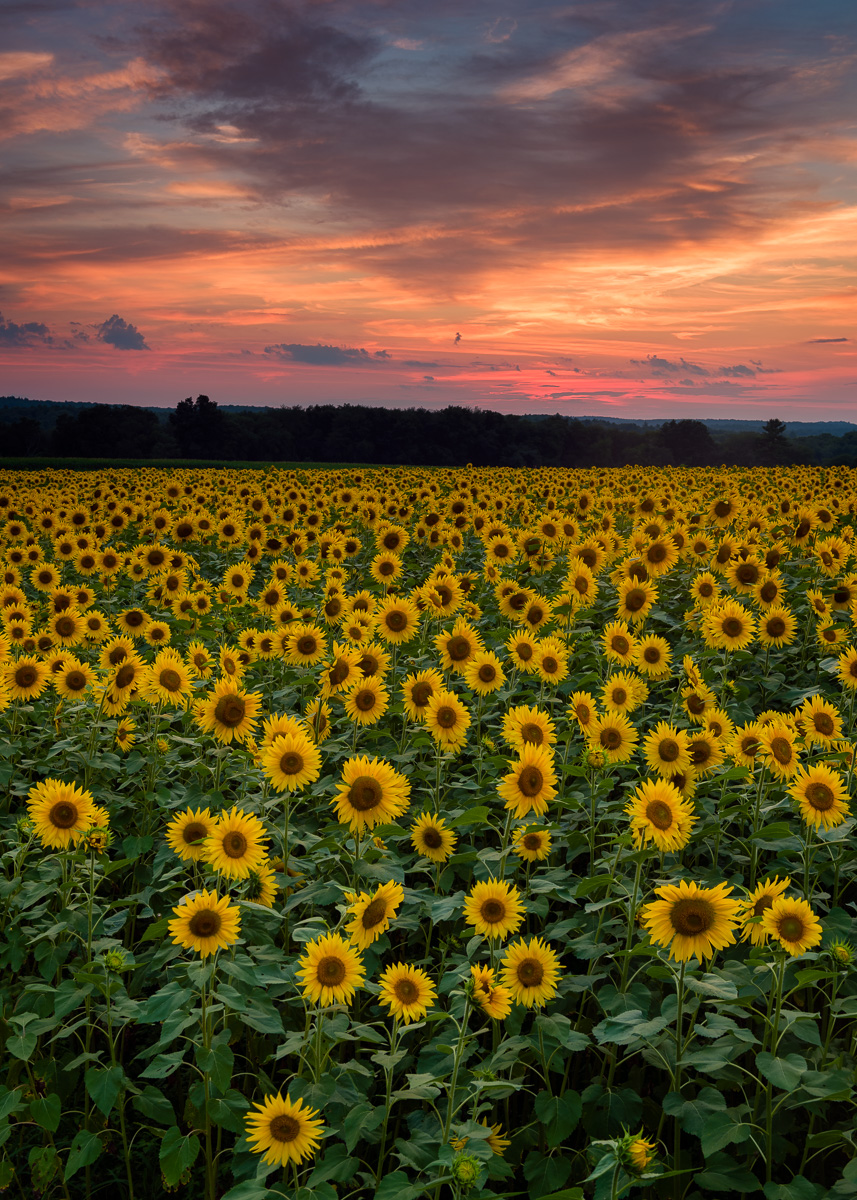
[{"x": 201, "y": 430}]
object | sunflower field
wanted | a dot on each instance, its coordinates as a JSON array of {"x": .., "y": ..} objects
[{"x": 408, "y": 833}]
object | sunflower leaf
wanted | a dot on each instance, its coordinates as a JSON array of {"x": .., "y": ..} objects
[{"x": 783, "y": 1072}]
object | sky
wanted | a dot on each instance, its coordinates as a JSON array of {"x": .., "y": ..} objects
[{"x": 616, "y": 207}]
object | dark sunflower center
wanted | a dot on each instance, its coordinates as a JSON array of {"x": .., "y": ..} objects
[
  {"x": 750, "y": 746},
  {"x": 75, "y": 681},
  {"x": 656, "y": 553},
  {"x": 695, "y": 704},
  {"x": 365, "y": 700},
  {"x": 691, "y": 917},
  {"x": 63, "y": 814},
  {"x": 396, "y": 621},
  {"x": 722, "y": 509},
  {"x": 432, "y": 838},
  {"x": 747, "y": 573},
  {"x": 611, "y": 739},
  {"x": 26, "y": 676},
  {"x": 446, "y": 717},
  {"x": 532, "y": 733},
  {"x": 768, "y": 592},
  {"x": 65, "y": 626},
  {"x": 170, "y": 680},
  {"x": 706, "y": 589},
  {"x": 635, "y": 599},
  {"x": 620, "y": 644},
  {"x": 365, "y": 793},
  {"x": 237, "y": 581},
  {"x": 530, "y": 972},
  {"x": 820, "y": 796},
  {"x": 619, "y": 696},
  {"x": 700, "y": 753},
  {"x": 458, "y": 648},
  {"x": 340, "y": 672},
  {"x": 791, "y": 928},
  {"x": 291, "y": 763},
  {"x": 669, "y": 750},
  {"x": 761, "y": 904},
  {"x": 501, "y": 550},
  {"x": 781, "y": 749},
  {"x": 487, "y": 673},
  {"x": 492, "y": 911},
  {"x": 194, "y": 832},
  {"x": 134, "y": 619},
  {"x": 391, "y": 541},
  {"x": 652, "y": 655},
  {"x": 420, "y": 694},
  {"x": 330, "y": 971},
  {"x": 531, "y": 781},
  {"x": 532, "y": 841},
  {"x": 776, "y": 627},
  {"x": 230, "y": 711},
  {"x": 732, "y": 627},
  {"x": 374, "y": 913},
  {"x": 406, "y": 991},
  {"x": 306, "y": 645},
  {"x": 234, "y": 844},
  {"x": 583, "y": 713},
  {"x": 525, "y": 651},
  {"x": 660, "y": 814},
  {"x": 823, "y": 723},
  {"x": 205, "y": 924},
  {"x": 125, "y": 676},
  {"x": 581, "y": 584},
  {"x": 550, "y": 665}
]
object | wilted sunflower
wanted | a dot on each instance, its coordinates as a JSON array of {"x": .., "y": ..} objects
[
  {"x": 406, "y": 991},
  {"x": 330, "y": 970},
  {"x": 660, "y": 814},
  {"x": 692, "y": 920},
  {"x": 761, "y": 898},
  {"x": 493, "y": 998},
  {"x": 237, "y": 844},
  {"x": 60, "y": 812},
  {"x": 793, "y": 924},
  {"x": 431, "y": 838},
  {"x": 530, "y": 971},
  {"x": 524, "y": 725},
  {"x": 206, "y": 923},
  {"x": 447, "y": 720},
  {"x": 283, "y": 1131},
  {"x": 494, "y": 909},
  {"x": 370, "y": 793},
  {"x": 614, "y": 735},
  {"x": 229, "y": 713},
  {"x": 821, "y": 795},
  {"x": 187, "y": 831},
  {"x": 530, "y": 785},
  {"x": 533, "y": 844},
  {"x": 291, "y": 761},
  {"x": 371, "y": 915}
]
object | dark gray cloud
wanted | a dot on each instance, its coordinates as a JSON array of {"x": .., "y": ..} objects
[
  {"x": 116, "y": 331},
  {"x": 29, "y": 333},
  {"x": 665, "y": 368},
  {"x": 325, "y": 356},
  {"x": 823, "y": 341}
]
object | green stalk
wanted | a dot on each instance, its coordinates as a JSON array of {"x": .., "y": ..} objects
[{"x": 388, "y": 1072}]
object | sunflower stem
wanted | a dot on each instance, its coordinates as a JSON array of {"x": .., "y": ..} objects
[
  {"x": 679, "y": 1020},
  {"x": 388, "y": 1072},
  {"x": 459, "y": 1051},
  {"x": 769, "y": 1105},
  {"x": 632, "y": 912}
]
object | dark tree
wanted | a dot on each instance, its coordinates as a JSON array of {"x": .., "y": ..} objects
[
  {"x": 200, "y": 429},
  {"x": 689, "y": 443}
]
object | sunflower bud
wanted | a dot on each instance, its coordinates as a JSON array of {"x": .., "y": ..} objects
[
  {"x": 842, "y": 953},
  {"x": 115, "y": 960},
  {"x": 465, "y": 1171}
]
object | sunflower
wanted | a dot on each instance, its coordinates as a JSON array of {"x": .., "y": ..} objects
[
  {"x": 407, "y": 992},
  {"x": 583, "y": 709},
  {"x": 125, "y": 736},
  {"x": 777, "y": 627},
  {"x": 228, "y": 713},
  {"x": 530, "y": 971},
  {"x": 692, "y": 920},
  {"x": 793, "y": 924},
  {"x": 623, "y": 692},
  {"x": 133, "y": 621},
  {"x": 458, "y": 646},
  {"x": 187, "y": 831},
  {"x": 59, "y": 812},
  {"x": 705, "y": 752},
  {"x": 493, "y": 998},
  {"x": 367, "y": 701},
  {"x": 305, "y": 645},
  {"x": 847, "y": 668},
  {"x": 660, "y": 556},
  {"x": 728, "y": 626},
  {"x": 550, "y": 661},
  {"x": 371, "y": 915},
  {"x": 660, "y": 814},
  {"x": 68, "y": 626},
  {"x": 167, "y": 680},
  {"x": 291, "y": 760},
  {"x": 237, "y": 844},
  {"x": 821, "y": 721},
  {"x": 779, "y": 750},
  {"x": 74, "y": 679},
  {"x": 636, "y": 600},
  {"x": 283, "y": 1131},
  {"x": 665, "y": 749},
  {"x": 431, "y": 838},
  {"x": 761, "y": 898},
  {"x": 614, "y": 736},
  {"x": 619, "y": 643},
  {"x": 343, "y": 670},
  {"x": 697, "y": 700},
  {"x": 447, "y": 720},
  {"x": 641, "y": 1154},
  {"x": 330, "y": 970},
  {"x": 524, "y": 725},
  {"x": 25, "y": 678},
  {"x": 821, "y": 795},
  {"x": 206, "y": 923},
  {"x": 494, "y": 909},
  {"x": 530, "y": 785},
  {"x": 746, "y": 744},
  {"x": 370, "y": 793},
  {"x": 317, "y": 719},
  {"x": 398, "y": 620},
  {"x": 533, "y": 844},
  {"x": 522, "y": 650}
]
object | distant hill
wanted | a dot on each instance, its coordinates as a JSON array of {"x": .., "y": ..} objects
[{"x": 724, "y": 425}]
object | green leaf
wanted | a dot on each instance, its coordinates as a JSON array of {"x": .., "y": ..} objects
[
  {"x": 336, "y": 1165},
  {"x": 163, "y": 1065},
  {"x": 799, "y": 1188},
  {"x": 164, "y": 1003},
  {"x": 559, "y": 1114},
  {"x": 218, "y": 1061},
  {"x": 178, "y": 1152},
  {"x": 628, "y": 1027},
  {"x": 10, "y": 1101},
  {"x": 472, "y": 816},
  {"x": 397, "y": 1186},
  {"x": 723, "y": 1174},
  {"x": 85, "y": 1149},
  {"x": 721, "y": 1129},
  {"x": 251, "y": 1189},
  {"x": 104, "y": 1085},
  {"x": 360, "y": 1120},
  {"x": 153, "y": 1103},
  {"x": 783, "y": 1073},
  {"x": 545, "y": 1174},
  {"x": 693, "y": 1115},
  {"x": 46, "y": 1111}
]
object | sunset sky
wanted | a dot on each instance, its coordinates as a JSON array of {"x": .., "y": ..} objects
[{"x": 613, "y": 208}]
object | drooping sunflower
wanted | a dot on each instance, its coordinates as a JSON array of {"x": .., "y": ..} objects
[
  {"x": 530, "y": 785},
  {"x": 493, "y": 998},
  {"x": 366, "y": 701},
  {"x": 237, "y": 845},
  {"x": 793, "y": 924},
  {"x": 330, "y": 970},
  {"x": 692, "y": 920},
  {"x": 206, "y": 923},
  {"x": 821, "y": 795},
  {"x": 406, "y": 991},
  {"x": 660, "y": 814},
  {"x": 283, "y": 1130},
  {"x": 533, "y": 844},
  {"x": 317, "y": 719},
  {"x": 614, "y": 735},
  {"x": 494, "y": 908},
  {"x": 447, "y": 720},
  {"x": 187, "y": 831},
  {"x": 370, "y": 793},
  {"x": 25, "y": 678},
  {"x": 530, "y": 971},
  {"x": 665, "y": 749},
  {"x": 484, "y": 673},
  {"x": 371, "y": 914},
  {"x": 229, "y": 713},
  {"x": 761, "y": 898},
  {"x": 524, "y": 724},
  {"x": 431, "y": 838},
  {"x": 60, "y": 812},
  {"x": 292, "y": 760}
]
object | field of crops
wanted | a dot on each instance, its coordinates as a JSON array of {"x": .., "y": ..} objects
[{"x": 399, "y": 833}]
